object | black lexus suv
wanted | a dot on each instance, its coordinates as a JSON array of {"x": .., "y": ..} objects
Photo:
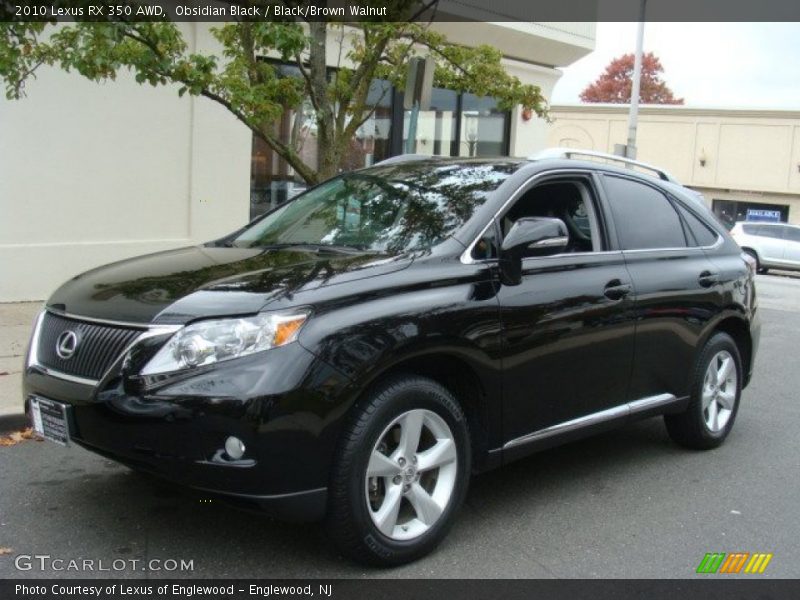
[{"x": 358, "y": 352}]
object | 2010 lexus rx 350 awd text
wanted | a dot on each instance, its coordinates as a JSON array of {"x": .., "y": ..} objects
[{"x": 358, "y": 352}]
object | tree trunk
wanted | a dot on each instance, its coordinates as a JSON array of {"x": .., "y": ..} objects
[{"x": 326, "y": 136}]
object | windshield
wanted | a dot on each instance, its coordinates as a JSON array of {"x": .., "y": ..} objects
[{"x": 391, "y": 209}]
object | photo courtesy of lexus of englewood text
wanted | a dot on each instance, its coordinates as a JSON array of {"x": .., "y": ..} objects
[{"x": 399, "y": 298}]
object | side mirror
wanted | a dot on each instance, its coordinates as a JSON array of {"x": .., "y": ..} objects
[{"x": 542, "y": 234}]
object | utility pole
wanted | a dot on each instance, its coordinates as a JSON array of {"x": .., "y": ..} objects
[{"x": 636, "y": 83}]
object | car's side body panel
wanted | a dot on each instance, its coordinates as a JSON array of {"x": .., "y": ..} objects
[{"x": 562, "y": 337}]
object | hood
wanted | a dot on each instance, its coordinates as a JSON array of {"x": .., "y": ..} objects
[{"x": 177, "y": 286}]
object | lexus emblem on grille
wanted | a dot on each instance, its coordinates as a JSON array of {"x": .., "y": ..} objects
[{"x": 66, "y": 344}]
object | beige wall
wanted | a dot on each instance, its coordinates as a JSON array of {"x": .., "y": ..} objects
[
  {"x": 91, "y": 173},
  {"x": 528, "y": 137},
  {"x": 750, "y": 155}
]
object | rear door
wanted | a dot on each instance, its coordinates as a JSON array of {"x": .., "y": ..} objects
[{"x": 675, "y": 285}]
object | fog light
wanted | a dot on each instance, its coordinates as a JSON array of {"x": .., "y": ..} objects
[{"x": 234, "y": 448}]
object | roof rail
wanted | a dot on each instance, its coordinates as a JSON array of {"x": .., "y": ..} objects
[
  {"x": 401, "y": 158},
  {"x": 570, "y": 152}
]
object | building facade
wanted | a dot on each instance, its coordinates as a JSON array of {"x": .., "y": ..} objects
[
  {"x": 745, "y": 162},
  {"x": 93, "y": 173}
]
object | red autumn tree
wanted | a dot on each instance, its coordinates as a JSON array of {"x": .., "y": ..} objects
[{"x": 614, "y": 85}]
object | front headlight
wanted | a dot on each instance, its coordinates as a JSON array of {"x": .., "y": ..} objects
[{"x": 208, "y": 342}]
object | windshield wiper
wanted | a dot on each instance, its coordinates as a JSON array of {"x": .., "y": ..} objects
[
  {"x": 314, "y": 247},
  {"x": 346, "y": 249}
]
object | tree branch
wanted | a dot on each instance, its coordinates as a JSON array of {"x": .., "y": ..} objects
[
  {"x": 249, "y": 51},
  {"x": 307, "y": 76}
]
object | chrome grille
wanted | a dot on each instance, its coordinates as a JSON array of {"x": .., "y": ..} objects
[{"x": 99, "y": 345}]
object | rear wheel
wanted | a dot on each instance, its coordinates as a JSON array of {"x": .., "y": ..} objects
[
  {"x": 401, "y": 473},
  {"x": 714, "y": 401}
]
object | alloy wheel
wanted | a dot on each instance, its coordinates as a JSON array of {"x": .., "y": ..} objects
[
  {"x": 719, "y": 391},
  {"x": 411, "y": 474}
]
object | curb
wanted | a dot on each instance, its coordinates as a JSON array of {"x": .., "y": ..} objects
[{"x": 13, "y": 422}]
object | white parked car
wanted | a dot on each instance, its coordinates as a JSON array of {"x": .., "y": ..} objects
[{"x": 773, "y": 245}]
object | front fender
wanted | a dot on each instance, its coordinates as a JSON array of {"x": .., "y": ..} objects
[{"x": 458, "y": 322}]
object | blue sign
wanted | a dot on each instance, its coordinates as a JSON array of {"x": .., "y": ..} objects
[{"x": 758, "y": 214}]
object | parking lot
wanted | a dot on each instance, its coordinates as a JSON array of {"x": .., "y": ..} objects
[{"x": 624, "y": 504}]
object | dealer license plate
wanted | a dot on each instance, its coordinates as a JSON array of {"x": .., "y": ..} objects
[{"x": 50, "y": 419}]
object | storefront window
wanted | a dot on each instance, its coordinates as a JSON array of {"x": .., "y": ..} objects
[
  {"x": 272, "y": 179},
  {"x": 484, "y": 128},
  {"x": 436, "y": 128},
  {"x": 729, "y": 212},
  {"x": 456, "y": 125}
]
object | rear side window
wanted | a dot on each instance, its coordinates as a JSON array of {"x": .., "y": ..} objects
[
  {"x": 643, "y": 216},
  {"x": 703, "y": 235}
]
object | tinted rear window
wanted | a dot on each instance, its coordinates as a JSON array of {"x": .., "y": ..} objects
[
  {"x": 643, "y": 216},
  {"x": 703, "y": 234}
]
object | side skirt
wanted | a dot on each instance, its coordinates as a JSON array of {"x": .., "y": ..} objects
[{"x": 590, "y": 424}]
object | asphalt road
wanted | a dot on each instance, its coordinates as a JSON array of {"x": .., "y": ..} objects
[{"x": 624, "y": 504}]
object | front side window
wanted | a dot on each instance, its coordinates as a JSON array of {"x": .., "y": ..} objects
[
  {"x": 751, "y": 229},
  {"x": 390, "y": 209},
  {"x": 568, "y": 200},
  {"x": 643, "y": 216}
]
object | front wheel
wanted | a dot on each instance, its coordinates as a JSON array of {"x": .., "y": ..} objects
[
  {"x": 401, "y": 473},
  {"x": 714, "y": 400}
]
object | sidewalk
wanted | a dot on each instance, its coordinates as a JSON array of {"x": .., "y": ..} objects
[{"x": 16, "y": 322}]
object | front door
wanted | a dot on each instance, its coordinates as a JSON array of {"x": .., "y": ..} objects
[{"x": 568, "y": 326}]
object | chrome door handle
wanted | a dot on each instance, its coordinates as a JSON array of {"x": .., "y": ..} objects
[
  {"x": 707, "y": 278},
  {"x": 616, "y": 289}
]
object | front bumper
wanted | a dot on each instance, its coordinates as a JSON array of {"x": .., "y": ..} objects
[{"x": 284, "y": 404}]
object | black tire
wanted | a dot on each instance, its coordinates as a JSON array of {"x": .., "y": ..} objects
[
  {"x": 348, "y": 521},
  {"x": 689, "y": 428}
]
